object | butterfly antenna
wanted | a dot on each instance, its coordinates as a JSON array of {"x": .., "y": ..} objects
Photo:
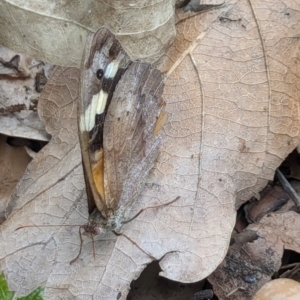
[
  {"x": 94, "y": 251},
  {"x": 150, "y": 207},
  {"x": 31, "y": 226}
]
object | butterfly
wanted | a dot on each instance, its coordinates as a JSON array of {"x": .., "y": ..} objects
[{"x": 120, "y": 115}]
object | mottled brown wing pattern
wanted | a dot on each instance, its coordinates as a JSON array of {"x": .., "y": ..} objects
[
  {"x": 103, "y": 64},
  {"x": 120, "y": 104},
  {"x": 130, "y": 144}
]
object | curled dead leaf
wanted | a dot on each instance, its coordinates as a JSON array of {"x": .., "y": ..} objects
[{"x": 144, "y": 30}]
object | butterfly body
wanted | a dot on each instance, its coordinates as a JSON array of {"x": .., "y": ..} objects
[{"x": 97, "y": 224}]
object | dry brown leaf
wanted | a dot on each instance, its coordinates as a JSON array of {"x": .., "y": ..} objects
[
  {"x": 248, "y": 265},
  {"x": 273, "y": 199},
  {"x": 24, "y": 124},
  {"x": 291, "y": 165},
  {"x": 233, "y": 117},
  {"x": 282, "y": 288},
  {"x": 19, "y": 96},
  {"x": 231, "y": 93},
  {"x": 284, "y": 225},
  {"x": 150, "y": 286},
  {"x": 55, "y": 31},
  {"x": 251, "y": 262},
  {"x": 13, "y": 162}
]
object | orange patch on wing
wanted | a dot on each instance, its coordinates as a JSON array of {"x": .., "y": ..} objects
[
  {"x": 160, "y": 122},
  {"x": 98, "y": 173}
]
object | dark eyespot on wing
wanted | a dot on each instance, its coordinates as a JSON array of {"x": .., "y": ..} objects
[{"x": 99, "y": 73}]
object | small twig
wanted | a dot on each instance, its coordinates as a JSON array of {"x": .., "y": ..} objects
[
  {"x": 240, "y": 288},
  {"x": 289, "y": 189},
  {"x": 203, "y": 295},
  {"x": 289, "y": 266}
]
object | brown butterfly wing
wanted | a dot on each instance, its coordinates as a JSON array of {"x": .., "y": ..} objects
[
  {"x": 102, "y": 52},
  {"x": 130, "y": 144}
]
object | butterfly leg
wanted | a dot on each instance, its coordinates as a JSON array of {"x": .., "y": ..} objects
[
  {"x": 127, "y": 221},
  {"x": 81, "y": 242},
  {"x": 134, "y": 243}
]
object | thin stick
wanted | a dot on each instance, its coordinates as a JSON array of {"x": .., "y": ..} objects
[
  {"x": 235, "y": 290},
  {"x": 289, "y": 189},
  {"x": 289, "y": 266},
  {"x": 150, "y": 207}
]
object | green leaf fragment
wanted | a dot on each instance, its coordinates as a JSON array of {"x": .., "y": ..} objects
[
  {"x": 37, "y": 294},
  {"x": 5, "y": 294}
]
